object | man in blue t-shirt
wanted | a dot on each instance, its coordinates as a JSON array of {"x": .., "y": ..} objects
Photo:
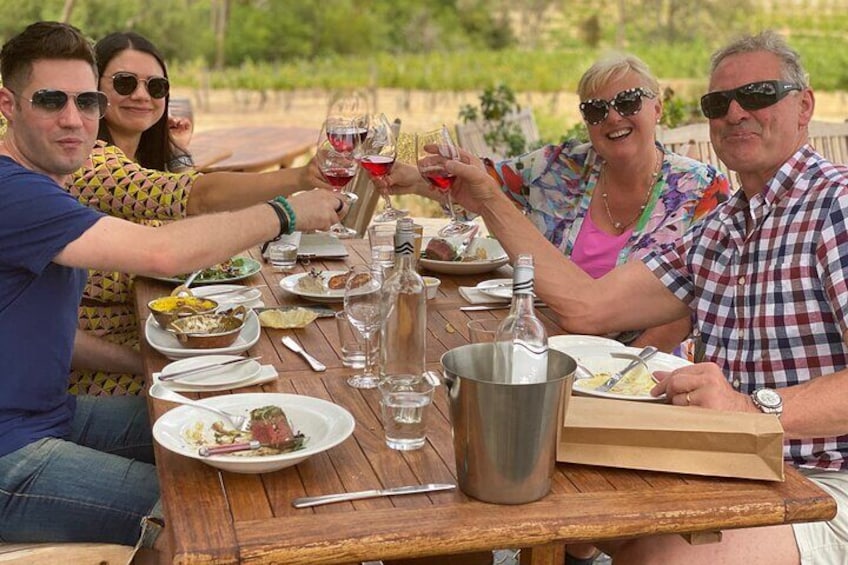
[{"x": 80, "y": 469}]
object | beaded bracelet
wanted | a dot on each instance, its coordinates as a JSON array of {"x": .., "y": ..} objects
[
  {"x": 290, "y": 212},
  {"x": 282, "y": 217}
]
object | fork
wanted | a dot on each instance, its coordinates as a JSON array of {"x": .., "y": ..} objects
[
  {"x": 238, "y": 421},
  {"x": 640, "y": 359}
]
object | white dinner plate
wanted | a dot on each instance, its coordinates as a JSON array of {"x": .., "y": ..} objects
[
  {"x": 289, "y": 284},
  {"x": 607, "y": 364},
  {"x": 220, "y": 377},
  {"x": 250, "y": 297},
  {"x": 496, "y": 257},
  {"x": 565, "y": 342},
  {"x": 167, "y": 344},
  {"x": 324, "y": 424},
  {"x": 496, "y": 288}
]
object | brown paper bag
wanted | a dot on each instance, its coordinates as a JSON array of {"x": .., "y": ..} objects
[{"x": 680, "y": 439}]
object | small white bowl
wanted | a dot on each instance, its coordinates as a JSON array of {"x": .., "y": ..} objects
[{"x": 431, "y": 285}]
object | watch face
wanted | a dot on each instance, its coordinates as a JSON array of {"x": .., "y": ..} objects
[{"x": 768, "y": 397}]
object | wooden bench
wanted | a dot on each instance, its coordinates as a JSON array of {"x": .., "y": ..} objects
[
  {"x": 76, "y": 553},
  {"x": 470, "y": 136}
]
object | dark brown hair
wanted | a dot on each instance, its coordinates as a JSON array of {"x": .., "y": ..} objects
[
  {"x": 42, "y": 40},
  {"x": 155, "y": 148}
]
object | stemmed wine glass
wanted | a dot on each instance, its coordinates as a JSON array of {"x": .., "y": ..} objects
[
  {"x": 338, "y": 169},
  {"x": 434, "y": 148},
  {"x": 377, "y": 156},
  {"x": 347, "y": 120},
  {"x": 362, "y": 306}
]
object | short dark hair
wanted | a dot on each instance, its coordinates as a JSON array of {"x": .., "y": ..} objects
[
  {"x": 42, "y": 40},
  {"x": 155, "y": 148}
]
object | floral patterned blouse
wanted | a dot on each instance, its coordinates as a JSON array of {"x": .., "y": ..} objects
[{"x": 554, "y": 186}]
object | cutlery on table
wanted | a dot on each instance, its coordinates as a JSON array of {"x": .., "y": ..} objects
[
  {"x": 183, "y": 288},
  {"x": 207, "y": 367},
  {"x": 252, "y": 445},
  {"x": 501, "y": 306},
  {"x": 640, "y": 359},
  {"x": 463, "y": 246},
  {"x": 242, "y": 290},
  {"x": 316, "y": 365},
  {"x": 307, "y": 501}
]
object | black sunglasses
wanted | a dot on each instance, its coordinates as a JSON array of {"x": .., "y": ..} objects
[
  {"x": 627, "y": 103},
  {"x": 753, "y": 96},
  {"x": 47, "y": 103},
  {"x": 125, "y": 84}
]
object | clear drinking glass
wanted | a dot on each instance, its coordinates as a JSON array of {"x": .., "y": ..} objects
[
  {"x": 362, "y": 305},
  {"x": 377, "y": 156},
  {"x": 348, "y": 117},
  {"x": 434, "y": 148},
  {"x": 338, "y": 169}
]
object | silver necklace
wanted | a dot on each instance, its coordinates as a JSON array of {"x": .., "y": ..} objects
[{"x": 651, "y": 182}]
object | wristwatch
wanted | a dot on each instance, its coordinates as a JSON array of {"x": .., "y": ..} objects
[{"x": 768, "y": 401}]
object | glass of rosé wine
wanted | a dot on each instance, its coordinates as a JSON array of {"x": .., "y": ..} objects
[
  {"x": 434, "y": 148},
  {"x": 377, "y": 155},
  {"x": 347, "y": 120},
  {"x": 338, "y": 169}
]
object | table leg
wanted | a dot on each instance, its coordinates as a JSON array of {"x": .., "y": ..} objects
[{"x": 549, "y": 554}]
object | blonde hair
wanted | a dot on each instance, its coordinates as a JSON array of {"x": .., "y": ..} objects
[{"x": 613, "y": 67}]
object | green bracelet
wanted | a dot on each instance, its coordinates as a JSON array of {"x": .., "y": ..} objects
[{"x": 289, "y": 212}]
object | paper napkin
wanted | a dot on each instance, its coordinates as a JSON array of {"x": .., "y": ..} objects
[{"x": 473, "y": 296}]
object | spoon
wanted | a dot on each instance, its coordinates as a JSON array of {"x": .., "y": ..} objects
[
  {"x": 183, "y": 288},
  {"x": 239, "y": 422}
]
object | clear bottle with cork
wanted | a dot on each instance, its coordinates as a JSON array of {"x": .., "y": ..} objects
[
  {"x": 521, "y": 342},
  {"x": 403, "y": 345}
]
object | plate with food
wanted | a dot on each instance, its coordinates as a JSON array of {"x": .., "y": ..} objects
[
  {"x": 319, "y": 286},
  {"x": 168, "y": 344},
  {"x": 440, "y": 255},
  {"x": 223, "y": 371},
  {"x": 594, "y": 370},
  {"x": 285, "y": 430},
  {"x": 235, "y": 269}
]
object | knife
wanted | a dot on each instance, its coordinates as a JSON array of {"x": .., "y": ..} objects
[
  {"x": 501, "y": 306},
  {"x": 316, "y": 365},
  {"x": 200, "y": 369},
  {"x": 307, "y": 501}
]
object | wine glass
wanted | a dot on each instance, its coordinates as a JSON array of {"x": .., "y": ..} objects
[
  {"x": 338, "y": 169},
  {"x": 362, "y": 306},
  {"x": 434, "y": 148},
  {"x": 377, "y": 156},
  {"x": 347, "y": 120}
]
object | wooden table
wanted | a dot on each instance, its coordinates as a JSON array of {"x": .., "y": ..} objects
[
  {"x": 218, "y": 517},
  {"x": 250, "y": 149}
]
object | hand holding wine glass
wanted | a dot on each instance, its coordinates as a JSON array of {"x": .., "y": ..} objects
[
  {"x": 338, "y": 169},
  {"x": 362, "y": 306},
  {"x": 377, "y": 156},
  {"x": 434, "y": 148}
]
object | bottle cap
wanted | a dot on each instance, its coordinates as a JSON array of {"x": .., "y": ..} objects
[{"x": 522, "y": 278}]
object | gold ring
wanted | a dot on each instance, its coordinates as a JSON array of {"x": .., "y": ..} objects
[{"x": 688, "y": 400}]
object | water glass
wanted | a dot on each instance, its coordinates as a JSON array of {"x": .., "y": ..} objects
[
  {"x": 405, "y": 404},
  {"x": 282, "y": 256},
  {"x": 381, "y": 238},
  {"x": 483, "y": 331}
]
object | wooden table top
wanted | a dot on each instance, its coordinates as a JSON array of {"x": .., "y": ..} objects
[
  {"x": 250, "y": 148},
  {"x": 220, "y": 517}
]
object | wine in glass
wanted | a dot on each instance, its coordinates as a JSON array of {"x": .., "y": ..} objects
[
  {"x": 377, "y": 156},
  {"x": 434, "y": 148},
  {"x": 347, "y": 120},
  {"x": 362, "y": 306},
  {"x": 338, "y": 169}
]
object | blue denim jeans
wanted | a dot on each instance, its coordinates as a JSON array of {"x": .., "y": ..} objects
[{"x": 97, "y": 486}]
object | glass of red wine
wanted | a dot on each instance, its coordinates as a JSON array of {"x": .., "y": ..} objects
[
  {"x": 338, "y": 169},
  {"x": 434, "y": 148},
  {"x": 377, "y": 156},
  {"x": 347, "y": 120}
]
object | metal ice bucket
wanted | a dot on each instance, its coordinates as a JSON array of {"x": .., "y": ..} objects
[{"x": 504, "y": 435}]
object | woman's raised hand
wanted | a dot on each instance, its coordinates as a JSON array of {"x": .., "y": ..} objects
[{"x": 473, "y": 185}]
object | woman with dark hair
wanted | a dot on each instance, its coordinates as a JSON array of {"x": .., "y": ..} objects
[{"x": 138, "y": 171}]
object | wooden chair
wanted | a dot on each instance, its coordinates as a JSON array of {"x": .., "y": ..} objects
[
  {"x": 76, "y": 553},
  {"x": 470, "y": 136},
  {"x": 830, "y": 139},
  {"x": 693, "y": 140}
]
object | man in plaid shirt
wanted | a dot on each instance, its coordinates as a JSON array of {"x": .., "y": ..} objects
[{"x": 764, "y": 276}]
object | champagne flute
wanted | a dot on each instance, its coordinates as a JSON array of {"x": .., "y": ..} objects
[
  {"x": 338, "y": 169},
  {"x": 377, "y": 156},
  {"x": 362, "y": 306},
  {"x": 434, "y": 148},
  {"x": 347, "y": 120}
]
